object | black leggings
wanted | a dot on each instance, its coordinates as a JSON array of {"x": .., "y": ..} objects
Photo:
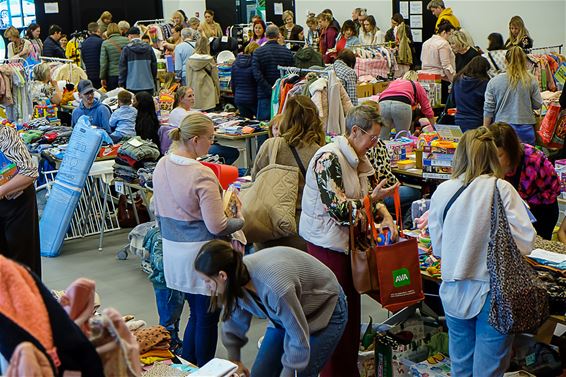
[
  {"x": 547, "y": 217},
  {"x": 19, "y": 230}
]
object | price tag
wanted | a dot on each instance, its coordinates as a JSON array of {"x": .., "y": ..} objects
[
  {"x": 120, "y": 187},
  {"x": 224, "y": 39},
  {"x": 135, "y": 142}
]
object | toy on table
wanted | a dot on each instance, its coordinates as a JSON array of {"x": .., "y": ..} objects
[{"x": 47, "y": 111}]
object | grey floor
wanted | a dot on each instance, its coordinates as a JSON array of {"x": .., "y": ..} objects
[{"x": 122, "y": 284}]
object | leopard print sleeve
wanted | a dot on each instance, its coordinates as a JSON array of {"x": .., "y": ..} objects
[{"x": 381, "y": 162}]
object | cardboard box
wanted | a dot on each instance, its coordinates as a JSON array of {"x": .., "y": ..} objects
[
  {"x": 379, "y": 87},
  {"x": 364, "y": 90}
]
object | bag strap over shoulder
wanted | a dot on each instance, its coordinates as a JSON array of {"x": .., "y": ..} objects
[
  {"x": 298, "y": 160},
  {"x": 452, "y": 200},
  {"x": 493, "y": 61},
  {"x": 274, "y": 150}
]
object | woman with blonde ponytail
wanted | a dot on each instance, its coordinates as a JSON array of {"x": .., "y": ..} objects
[
  {"x": 512, "y": 96},
  {"x": 298, "y": 294},
  {"x": 190, "y": 212}
]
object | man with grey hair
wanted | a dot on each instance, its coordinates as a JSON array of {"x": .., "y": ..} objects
[
  {"x": 439, "y": 10},
  {"x": 182, "y": 53},
  {"x": 264, "y": 63},
  {"x": 123, "y": 26}
]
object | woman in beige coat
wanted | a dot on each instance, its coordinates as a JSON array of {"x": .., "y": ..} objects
[{"x": 202, "y": 76}]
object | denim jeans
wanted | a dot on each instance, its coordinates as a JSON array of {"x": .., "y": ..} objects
[
  {"x": 395, "y": 114},
  {"x": 264, "y": 109},
  {"x": 201, "y": 333},
  {"x": 169, "y": 307},
  {"x": 525, "y": 132},
  {"x": 228, "y": 154},
  {"x": 476, "y": 348},
  {"x": 322, "y": 345},
  {"x": 408, "y": 195},
  {"x": 246, "y": 110}
]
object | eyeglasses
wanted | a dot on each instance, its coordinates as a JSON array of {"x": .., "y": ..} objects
[{"x": 373, "y": 138}]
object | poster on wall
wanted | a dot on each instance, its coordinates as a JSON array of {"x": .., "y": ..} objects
[
  {"x": 17, "y": 13},
  {"x": 404, "y": 9}
]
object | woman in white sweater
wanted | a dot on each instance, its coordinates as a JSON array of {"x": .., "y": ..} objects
[{"x": 461, "y": 239}]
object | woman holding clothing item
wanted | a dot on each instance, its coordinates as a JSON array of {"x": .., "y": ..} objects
[
  {"x": 298, "y": 294},
  {"x": 476, "y": 348},
  {"x": 338, "y": 178},
  {"x": 532, "y": 175},
  {"x": 512, "y": 96},
  {"x": 397, "y": 101},
  {"x": 188, "y": 219},
  {"x": 518, "y": 34}
]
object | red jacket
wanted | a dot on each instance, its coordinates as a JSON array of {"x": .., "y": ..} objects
[{"x": 328, "y": 39}]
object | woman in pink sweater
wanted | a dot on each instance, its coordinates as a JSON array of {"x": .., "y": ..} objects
[
  {"x": 397, "y": 102},
  {"x": 189, "y": 211}
]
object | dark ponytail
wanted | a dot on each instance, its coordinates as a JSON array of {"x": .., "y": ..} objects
[{"x": 216, "y": 256}]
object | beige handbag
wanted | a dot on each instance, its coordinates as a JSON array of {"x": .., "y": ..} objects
[{"x": 269, "y": 203}]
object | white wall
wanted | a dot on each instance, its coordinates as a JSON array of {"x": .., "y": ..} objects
[{"x": 545, "y": 19}]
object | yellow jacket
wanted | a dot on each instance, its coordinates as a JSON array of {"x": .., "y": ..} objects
[
  {"x": 73, "y": 52},
  {"x": 448, "y": 16}
]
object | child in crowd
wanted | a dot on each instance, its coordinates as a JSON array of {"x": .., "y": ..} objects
[
  {"x": 123, "y": 120},
  {"x": 274, "y": 125}
]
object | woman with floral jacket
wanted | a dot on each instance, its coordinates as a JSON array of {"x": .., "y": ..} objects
[{"x": 337, "y": 180}]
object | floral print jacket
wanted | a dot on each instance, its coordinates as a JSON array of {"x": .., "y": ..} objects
[{"x": 537, "y": 182}]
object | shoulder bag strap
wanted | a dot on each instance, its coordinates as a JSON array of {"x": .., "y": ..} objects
[
  {"x": 274, "y": 150},
  {"x": 414, "y": 93},
  {"x": 493, "y": 61},
  {"x": 298, "y": 160},
  {"x": 452, "y": 200}
]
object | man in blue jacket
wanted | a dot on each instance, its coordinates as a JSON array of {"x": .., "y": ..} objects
[
  {"x": 98, "y": 113},
  {"x": 264, "y": 62},
  {"x": 51, "y": 46},
  {"x": 138, "y": 65},
  {"x": 90, "y": 51}
]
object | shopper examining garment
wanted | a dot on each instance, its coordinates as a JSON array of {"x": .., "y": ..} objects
[
  {"x": 264, "y": 62},
  {"x": 437, "y": 56},
  {"x": 531, "y": 174},
  {"x": 462, "y": 49},
  {"x": 512, "y": 96},
  {"x": 243, "y": 82},
  {"x": 18, "y": 47},
  {"x": 312, "y": 39},
  {"x": 104, "y": 20},
  {"x": 189, "y": 218},
  {"x": 468, "y": 93},
  {"x": 338, "y": 178},
  {"x": 183, "y": 52},
  {"x": 328, "y": 34},
  {"x": 301, "y": 136},
  {"x": 495, "y": 54},
  {"x": 110, "y": 57},
  {"x": 397, "y": 22},
  {"x": 91, "y": 52},
  {"x": 202, "y": 76},
  {"x": 439, "y": 10},
  {"x": 51, "y": 46},
  {"x": 44, "y": 88},
  {"x": 19, "y": 221},
  {"x": 289, "y": 29},
  {"x": 259, "y": 33},
  {"x": 124, "y": 26},
  {"x": 518, "y": 34},
  {"x": 397, "y": 102},
  {"x": 298, "y": 294},
  {"x": 32, "y": 34},
  {"x": 147, "y": 124},
  {"x": 344, "y": 69},
  {"x": 98, "y": 113},
  {"x": 349, "y": 37},
  {"x": 171, "y": 44},
  {"x": 209, "y": 28},
  {"x": 476, "y": 348},
  {"x": 123, "y": 119},
  {"x": 369, "y": 33}
]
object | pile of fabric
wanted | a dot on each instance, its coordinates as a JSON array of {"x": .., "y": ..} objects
[
  {"x": 154, "y": 343},
  {"x": 133, "y": 155}
]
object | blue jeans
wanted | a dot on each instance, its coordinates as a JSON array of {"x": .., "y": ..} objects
[
  {"x": 322, "y": 345},
  {"x": 476, "y": 348},
  {"x": 246, "y": 110},
  {"x": 169, "y": 307},
  {"x": 407, "y": 194},
  {"x": 201, "y": 333},
  {"x": 525, "y": 132},
  {"x": 263, "y": 109},
  {"x": 228, "y": 154}
]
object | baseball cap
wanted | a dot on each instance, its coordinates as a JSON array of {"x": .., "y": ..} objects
[
  {"x": 134, "y": 30},
  {"x": 84, "y": 87}
]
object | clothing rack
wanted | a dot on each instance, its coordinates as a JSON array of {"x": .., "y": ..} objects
[
  {"x": 155, "y": 21},
  {"x": 285, "y": 70},
  {"x": 67, "y": 61},
  {"x": 547, "y": 48},
  {"x": 293, "y": 41},
  {"x": 368, "y": 45}
]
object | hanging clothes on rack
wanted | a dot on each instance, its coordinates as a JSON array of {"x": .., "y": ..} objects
[
  {"x": 159, "y": 30},
  {"x": 14, "y": 90},
  {"x": 375, "y": 60}
]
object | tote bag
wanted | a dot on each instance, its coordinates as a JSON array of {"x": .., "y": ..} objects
[
  {"x": 519, "y": 301},
  {"x": 269, "y": 203}
]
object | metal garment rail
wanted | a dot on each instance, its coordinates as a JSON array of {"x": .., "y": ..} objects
[
  {"x": 155, "y": 21},
  {"x": 285, "y": 70},
  {"x": 547, "y": 48}
]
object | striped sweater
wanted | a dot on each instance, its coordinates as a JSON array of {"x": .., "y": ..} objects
[
  {"x": 298, "y": 292},
  {"x": 189, "y": 211}
]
